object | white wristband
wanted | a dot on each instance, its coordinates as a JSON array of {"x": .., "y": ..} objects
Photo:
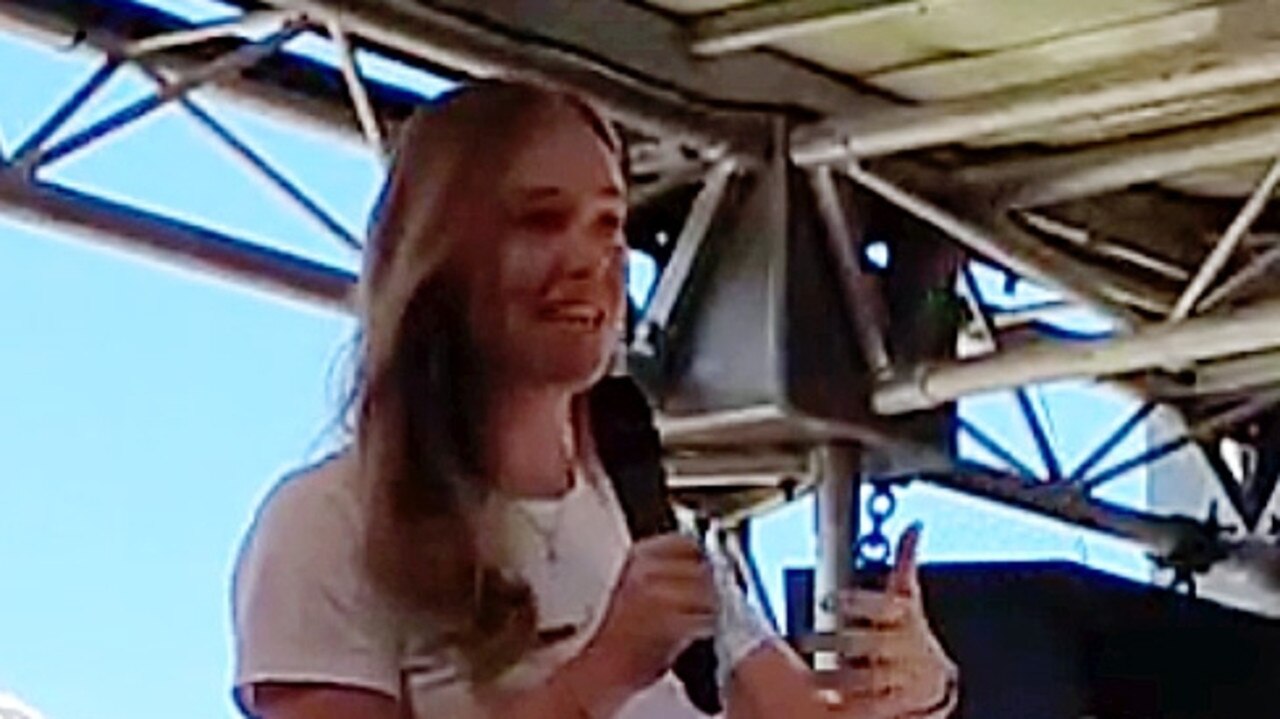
[{"x": 739, "y": 627}]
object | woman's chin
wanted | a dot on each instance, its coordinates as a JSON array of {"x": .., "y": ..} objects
[{"x": 573, "y": 371}]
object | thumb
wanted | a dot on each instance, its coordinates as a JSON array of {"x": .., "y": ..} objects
[{"x": 904, "y": 578}]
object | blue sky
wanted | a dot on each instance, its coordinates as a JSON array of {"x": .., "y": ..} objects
[{"x": 147, "y": 410}]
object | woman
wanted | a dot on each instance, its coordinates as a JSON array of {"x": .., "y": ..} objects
[{"x": 466, "y": 556}]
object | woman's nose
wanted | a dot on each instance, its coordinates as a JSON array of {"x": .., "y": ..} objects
[{"x": 595, "y": 257}]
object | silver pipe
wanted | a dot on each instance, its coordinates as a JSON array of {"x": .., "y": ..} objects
[
  {"x": 770, "y": 463},
  {"x": 687, "y": 175},
  {"x": 1003, "y": 318},
  {"x": 177, "y": 243},
  {"x": 1032, "y": 260},
  {"x": 677, "y": 271},
  {"x": 249, "y": 22},
  {"x": 1057, "y": 178},
  {"x": 859, "y": 297},
  {"x": 912, "y": 129},
  {"x": 835, "y": 475},
  {"x": 1246, "y": 330},
  {"x": 1230, "y": 376},
  {"x": 1257, "y": 268},
  {"x": 1226, "y": 245},
  {"x": 355, "y": 86},
  {"x": 735, "y": 482},
  {"x": 675, "y": 107},
  {"x": 1085, "y": 239}
]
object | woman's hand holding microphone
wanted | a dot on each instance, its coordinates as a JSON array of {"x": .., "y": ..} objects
[{"x": 664, "y": 599}]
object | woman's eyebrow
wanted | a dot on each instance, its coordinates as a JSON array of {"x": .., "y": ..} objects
[{"x": 534, "y": 194}]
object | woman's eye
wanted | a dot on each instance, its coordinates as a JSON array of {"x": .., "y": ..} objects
[
  {"x": 610, "y": 223},
  {"x": 544, "y": 220}
]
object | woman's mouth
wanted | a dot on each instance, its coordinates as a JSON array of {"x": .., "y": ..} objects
[{"x": 581, "y": 316}]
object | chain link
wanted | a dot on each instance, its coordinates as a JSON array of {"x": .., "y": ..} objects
[{"x": 874, "y": 550}]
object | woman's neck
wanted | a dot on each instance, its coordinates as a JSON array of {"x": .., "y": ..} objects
[{"x": 528, "y": 445}]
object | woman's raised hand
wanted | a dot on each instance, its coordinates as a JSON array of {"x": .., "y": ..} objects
[{"x": 892, "y": 665}]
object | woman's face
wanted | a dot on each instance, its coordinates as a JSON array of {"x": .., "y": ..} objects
[{"x": 546, "y": 260}]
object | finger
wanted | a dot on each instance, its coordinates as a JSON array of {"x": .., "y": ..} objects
[
  {"x": 669, "y": 546},
  {"x": 869, "y": 683},
  {"x": 863, "y": 609},
  {"x": 688, "y": 600},
  {"x": 685, "y": 599},
  {"x": 680, "y": 571},
  {"x": 872, "y": 662},
  {"x": 889, "y": 645},
  {"x": 691, "y": 628},
  {"x": 903, "y": 578},
  {"x": 836, "y": 704},
  {"x": 860, "y": 684},
  {"x": 676, "y": 571}
]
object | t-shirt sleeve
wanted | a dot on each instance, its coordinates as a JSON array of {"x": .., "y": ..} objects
[{"x": 303, "y": 608}]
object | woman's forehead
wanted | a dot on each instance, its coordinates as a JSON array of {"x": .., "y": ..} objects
[{"x": 564, "y": 155}]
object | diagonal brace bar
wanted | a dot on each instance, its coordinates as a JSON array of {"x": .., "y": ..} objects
[
  {"x": 228, "y": 64},
  {"x": 257, "y": 162},
  {"x": 1043, "y": 445},
  {"x": 355, "y": 86},
  {"x": 1110, "y": 443},
  {"x": 1227, "y": 244},
  {"x": 990, "y": 444},
  {"x": 859, "y": 296},
  {"x": 277, "y": 179},
  {"x": 1202, "y": 430},
  {"x": 1255, "y": 270},
  {"x": 248, "y": 22},
  {"x": 678, "y": 269},
  {"x": 64, "y": 112}
]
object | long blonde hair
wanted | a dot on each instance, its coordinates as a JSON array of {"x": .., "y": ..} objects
[{"x": 416, "y": 428}]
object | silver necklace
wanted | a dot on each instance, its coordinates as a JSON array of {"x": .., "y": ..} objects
[{"x": 549, "y": 536}]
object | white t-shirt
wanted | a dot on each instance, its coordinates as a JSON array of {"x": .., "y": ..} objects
[{"x": 304, "y": 609}]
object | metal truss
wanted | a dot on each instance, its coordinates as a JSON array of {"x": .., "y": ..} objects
[
  {"x": 642, "y": 100},
  {"x": 1186, "y": 545},
  {"x": 706, "y": 122},
  {"x": 25, "y": 192}
]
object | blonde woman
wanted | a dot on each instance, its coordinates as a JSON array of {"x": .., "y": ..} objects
[{"x": 466, "y": 555}]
